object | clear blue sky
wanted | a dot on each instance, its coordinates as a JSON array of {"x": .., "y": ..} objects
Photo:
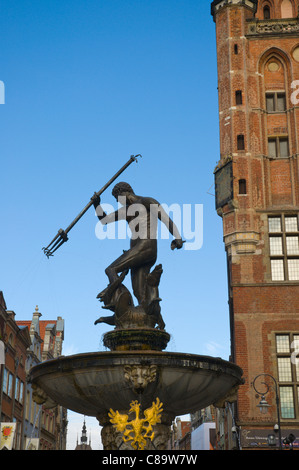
[{"x": 87, "y": 84}]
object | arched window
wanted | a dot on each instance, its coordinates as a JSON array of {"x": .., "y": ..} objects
[
  {"x": 286, "y": 9},
  {"x": 267, "y": 13}
]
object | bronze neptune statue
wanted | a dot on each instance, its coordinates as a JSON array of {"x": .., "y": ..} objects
[{"x": 142, "y": 215}]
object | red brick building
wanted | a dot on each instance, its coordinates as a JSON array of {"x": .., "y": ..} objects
[{"x": 257, "y": 196}]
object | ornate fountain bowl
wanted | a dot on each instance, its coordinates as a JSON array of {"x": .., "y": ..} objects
[{"x": 93, "y": 383}]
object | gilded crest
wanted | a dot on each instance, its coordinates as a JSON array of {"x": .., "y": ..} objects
[{"x": 138, "y": 429}]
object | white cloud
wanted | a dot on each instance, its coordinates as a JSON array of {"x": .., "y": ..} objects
[
  {"x": 69, "y": 349},
  {"x": 213, "y": 349}
]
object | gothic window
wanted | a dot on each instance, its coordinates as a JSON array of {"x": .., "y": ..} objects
[
  {"x": 266, "y": 11},
  {"x": 287, "y": 350},
  {"x": 284, "y": 247},
  {"x": 275, "y": 101}
]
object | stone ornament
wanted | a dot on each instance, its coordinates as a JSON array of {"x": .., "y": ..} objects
[
  {"x": 140, "y": 376},
  {"x": 41, "y": 398}
]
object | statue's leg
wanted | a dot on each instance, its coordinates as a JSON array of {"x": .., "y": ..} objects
[
  {"x": 121, "y": 264},
  {"x": 139, "y": 255}
]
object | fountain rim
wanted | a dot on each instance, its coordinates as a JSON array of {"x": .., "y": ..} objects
[{"x": 117, "y": 358}]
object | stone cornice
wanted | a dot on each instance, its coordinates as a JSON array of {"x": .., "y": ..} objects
[{"x": 272, "y": 27}]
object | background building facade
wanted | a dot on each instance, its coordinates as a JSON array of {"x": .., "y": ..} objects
[
  {"x": 49, "y": 423},
  {"x": 13, "y": 372},
  {"x": 257, "y": 196},
  {"x": 25, "y": 344}
]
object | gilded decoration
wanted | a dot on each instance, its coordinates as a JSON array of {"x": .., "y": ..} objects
[{"x": 136, "y": 431}]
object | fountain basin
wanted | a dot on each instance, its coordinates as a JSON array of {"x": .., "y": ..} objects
[{"x": 92, "y": 383}]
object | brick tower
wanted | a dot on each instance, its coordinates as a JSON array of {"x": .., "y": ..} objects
[{"x": 257, "y": 196}]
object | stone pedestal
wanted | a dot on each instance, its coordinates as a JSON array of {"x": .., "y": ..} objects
[
  {"x": 133, "y": 339},
  {"x": 138, "y": 377}
]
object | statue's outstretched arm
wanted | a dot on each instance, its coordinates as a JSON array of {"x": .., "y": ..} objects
[{"x": 164, "y": 217}]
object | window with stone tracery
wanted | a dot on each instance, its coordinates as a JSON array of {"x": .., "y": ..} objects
[
  {"x": 276, "y": 102},
  {"x": 284, "y": 247},
  {"x": 278, "y": 147},
  {"x": 287, "y": 349}
]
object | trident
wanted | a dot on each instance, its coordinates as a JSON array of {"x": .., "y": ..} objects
[{"x": 61, "y": 236}]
